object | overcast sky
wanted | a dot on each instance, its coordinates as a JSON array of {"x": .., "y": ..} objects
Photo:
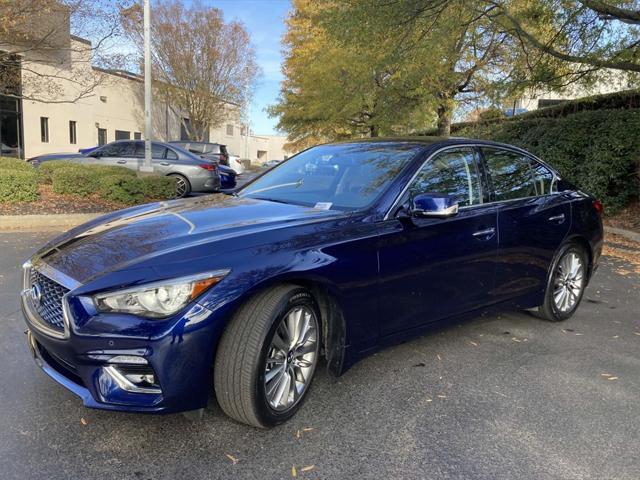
[{"x": 264, "y": 20}]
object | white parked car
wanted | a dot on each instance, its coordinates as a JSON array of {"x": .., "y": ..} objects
[{"x": 236, "y": 164}]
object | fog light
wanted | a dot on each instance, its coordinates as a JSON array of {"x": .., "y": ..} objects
[{"x": 134, "y": 378}]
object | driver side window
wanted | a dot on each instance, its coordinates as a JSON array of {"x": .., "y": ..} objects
[{"x": 452, "y": 172}]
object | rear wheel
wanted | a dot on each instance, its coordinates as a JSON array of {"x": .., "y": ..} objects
[
  {"x": 267, "y": 356},
  {"x": 183, "y": 187},
  {"x": 566, "y": 284}
]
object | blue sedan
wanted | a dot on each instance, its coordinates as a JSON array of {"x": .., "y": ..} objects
[{"x": 337, "y": 252}]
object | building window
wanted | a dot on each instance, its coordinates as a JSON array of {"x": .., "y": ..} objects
[
  {"x": 73, "y": 139},
  {"x": 185, "y": 127},
  {"x": 123, "y": 135},
  {"x": 102, "y": 136},
  {"x": 230, "y": 129},
  {"x": 137, "y": 136},
  {"x": 44, "y": 129}
]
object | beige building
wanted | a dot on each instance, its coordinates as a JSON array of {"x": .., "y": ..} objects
[
  {"x": 67, "y": 104},
  {"x": 609, "y": 81}
]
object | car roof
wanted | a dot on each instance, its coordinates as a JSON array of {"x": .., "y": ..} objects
[
  {"x": 197, "y": 143},
  {"x": 431, "y": 141}
]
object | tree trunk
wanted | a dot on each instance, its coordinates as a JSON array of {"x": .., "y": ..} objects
[
  {"x": 373, "y": 130},
  {"x": 445, "y": 109}
]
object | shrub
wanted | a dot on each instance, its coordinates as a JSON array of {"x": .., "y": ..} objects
[
  {"x": 131, "y": 190},
  {"x": 18, "y": 186},
  {"x": 157, "y": 187},
  {"x": 492, "y": 113},
  {"x": 8, "y": 163},
  {"x": 598, "y": 150},
  {"x": 75, "y": 180},
  {"x": 122, "y": 188},
  {"x": 46, "y": 170}
]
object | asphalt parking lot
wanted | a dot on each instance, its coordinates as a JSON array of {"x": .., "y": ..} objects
[{"x": 499, "y": 397}]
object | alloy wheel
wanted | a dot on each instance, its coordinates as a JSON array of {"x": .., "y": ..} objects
[
  {"x": 291, "y": 358},
  {"x": 568, "y": 282},
  {"x": 181, "y": 187}
]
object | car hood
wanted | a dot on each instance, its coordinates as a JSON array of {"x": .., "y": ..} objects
[
  {"x": 57, "y": 156},
  {"x": 124, "y": 239}
]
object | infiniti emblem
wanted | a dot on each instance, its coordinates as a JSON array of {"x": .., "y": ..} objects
[{"x": 36, "y": 294}]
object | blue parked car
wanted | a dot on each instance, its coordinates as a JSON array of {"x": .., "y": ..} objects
[{"x": 337, "y": 252}]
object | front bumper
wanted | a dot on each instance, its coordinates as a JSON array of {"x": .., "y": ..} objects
[{"x": 178, "y": 350}]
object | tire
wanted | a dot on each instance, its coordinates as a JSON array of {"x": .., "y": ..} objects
[
  {"x": 183, "y": 186},
  {"x": 565, "y": 287},
  {"x": 250, "y": 389}
]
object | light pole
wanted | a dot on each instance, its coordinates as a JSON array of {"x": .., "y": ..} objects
[{"x": 147, "y": 167}]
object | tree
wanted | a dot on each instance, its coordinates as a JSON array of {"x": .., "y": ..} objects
[
  {"x": 410, "y": 60},
  {"x": 334, "y": 90},
  {"x": 202, "y": 65},
  {"x": 591, "y": 33},
  {"x": 40, "y": 61}
]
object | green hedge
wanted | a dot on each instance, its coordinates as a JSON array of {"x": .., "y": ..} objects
[
  {"x": 8, "y": 163},
  {"x": 18, "y": 186},
  {"x": 159, "y": 188},
  {"x": 47, "y": 169},
  {"x": 597, "y": 150},
  {"x": 127, "y": 189},
  {"x": 75, "y": 180}
]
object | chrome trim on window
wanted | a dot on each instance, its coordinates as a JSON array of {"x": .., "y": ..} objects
[{"x": 554, "y": 182}]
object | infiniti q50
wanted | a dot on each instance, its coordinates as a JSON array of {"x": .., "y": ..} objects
[{"x": 331, "y": 255}]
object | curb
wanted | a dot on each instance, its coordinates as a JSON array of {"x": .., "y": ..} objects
[
  {"x": 44, "y": 222},
  {"x": 624, "y": 233}
]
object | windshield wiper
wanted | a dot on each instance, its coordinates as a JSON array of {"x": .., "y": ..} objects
[{"x": 297, "y": 184}]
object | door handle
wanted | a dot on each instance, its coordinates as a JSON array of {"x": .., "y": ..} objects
[
  {"x": 121, "y": 161},
  {"x": 557, "y": 218},
  {"x": 165, "y": 164},
  {"x": 487, "y": 232}
]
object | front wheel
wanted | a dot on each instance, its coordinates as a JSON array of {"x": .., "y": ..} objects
[
  {"x": 566, "y": 284},
  {"x": 267, "y": 356}
]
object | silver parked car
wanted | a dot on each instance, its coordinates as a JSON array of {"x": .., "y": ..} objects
[{"x": 191, "y": 172}]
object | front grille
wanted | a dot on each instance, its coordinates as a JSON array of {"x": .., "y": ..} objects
[{"x": 50, "y": 305}]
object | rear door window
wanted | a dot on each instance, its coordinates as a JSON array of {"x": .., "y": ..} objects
[
  {"x": 543, "y": 178},
  {"x": 510, "y": 173}
]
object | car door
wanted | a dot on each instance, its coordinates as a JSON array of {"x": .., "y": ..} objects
[
  {"x": 533, "y": 220},
  {"x": 105, "y": 155},
  {"x": 159, "y": 161},
  {"x": 433, "y": 268}
]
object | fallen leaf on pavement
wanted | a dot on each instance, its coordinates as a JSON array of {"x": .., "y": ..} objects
[
  {"x": 83, "y": 421},
  {"x": 298, "y": 434},
  {"x": 441, "y": 396},
  {"x": 294, "y": 472},
  {"x": 233, "y": 459},
  {"x": 474, "y": 344},
  {"x": 606, "y": 375},
  {"x": 440, "y": 358},
  {"x": 307, "y": 429},
  {"x": 612, "y": 378},
  {"x": 308, "y": 468}
]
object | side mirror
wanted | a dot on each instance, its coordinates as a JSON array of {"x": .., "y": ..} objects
[{"x": 433, "y": 205}]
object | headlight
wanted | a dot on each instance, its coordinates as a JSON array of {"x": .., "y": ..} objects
[{"x": 158, "y": 300}]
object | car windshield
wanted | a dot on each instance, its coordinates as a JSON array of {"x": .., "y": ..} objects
[{"x": 344, "y": 177}]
